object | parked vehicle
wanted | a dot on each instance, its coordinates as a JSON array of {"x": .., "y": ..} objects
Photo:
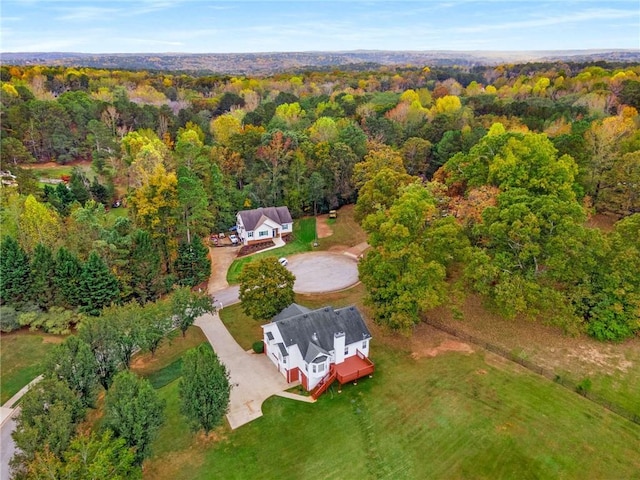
[
  {"x": 333, "y": 214},
  {"x": 234, "y": 239}
]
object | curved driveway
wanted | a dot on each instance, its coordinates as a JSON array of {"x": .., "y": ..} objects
[{"x": 253, "y": 377}]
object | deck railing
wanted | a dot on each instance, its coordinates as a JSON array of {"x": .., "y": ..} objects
[{"x": 324, "y": 383}]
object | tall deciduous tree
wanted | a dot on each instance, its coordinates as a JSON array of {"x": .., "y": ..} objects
[
  {"x": 186, "y": 306},
  {"x": 48, "y": 416},
  {"x": 153, "y": 205},
  {"x": 204, "y": 388},
  {"x": 266, "y": 288},
  {"x": 402, "y": 278},
  {"x": 134, "y": 412},
  {"x": 38, "y": 224},
  {"x": 73, "y": 362},
  {"x": 153, "y": 325},
  {"x": 88, "y": 457},
  {"x": 102, "y": 339}
]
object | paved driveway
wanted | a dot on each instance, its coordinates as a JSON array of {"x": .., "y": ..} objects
[
  {"x": 253, "y": 377},
  {"x": 322, "y": 272}
]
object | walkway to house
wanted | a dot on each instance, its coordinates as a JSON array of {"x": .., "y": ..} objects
[{"x": 253, "y": 377}]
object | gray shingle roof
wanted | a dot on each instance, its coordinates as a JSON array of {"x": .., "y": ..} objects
[
  {"x": 252, "y": 218},
  {"x": 313, "y": 351},
  {"x": 318, "y": 328},
  {"x": 291, "y": 311}
]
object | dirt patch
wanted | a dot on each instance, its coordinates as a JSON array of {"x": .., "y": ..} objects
[
  {"x": 52, "y": 339},
  {"x": 603, "y": 221},
  {"x": 544, "y": 345},
  {"x": 322, "y": 227},
  {"x": 173, "y": 464},
  {"x": 446, "y": 346},
  {"x": 75, "y": 163},
  {"x": 602, "y": 357},
  {"x": 338, "y": 248}
]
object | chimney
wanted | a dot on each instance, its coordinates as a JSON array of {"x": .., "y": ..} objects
[{"x": 338, "y": 346}]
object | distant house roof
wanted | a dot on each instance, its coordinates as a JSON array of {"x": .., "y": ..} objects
[
  {"x": 313, "y": 331},
  {"x": 253, "y": 218}
]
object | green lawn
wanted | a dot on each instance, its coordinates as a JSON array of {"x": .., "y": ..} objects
[
  {"x": 304, "y": 232},
  {"x": 21, "y": 356},
  {"x": 452, "y": 416},
  {"x": 243, "y": 328},
  {"x": 346, "y": 231}
]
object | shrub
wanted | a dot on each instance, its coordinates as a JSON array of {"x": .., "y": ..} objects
[
  {"x": 8, "y": 319},
  {"x": 258, "y": 347},
  {"x": 584, "y": 387},
  {"x": 57, "y": 320}
]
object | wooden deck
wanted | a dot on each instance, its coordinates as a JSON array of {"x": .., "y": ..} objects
[
  {"x": 354, "y": 368},
  {"x": 350, "y": 370}
]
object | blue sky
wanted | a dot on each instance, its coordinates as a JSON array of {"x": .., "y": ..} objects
[{"x": 200, "y": 26}]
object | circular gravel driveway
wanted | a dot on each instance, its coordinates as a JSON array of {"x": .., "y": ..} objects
[{"x": 321, "y": 272}]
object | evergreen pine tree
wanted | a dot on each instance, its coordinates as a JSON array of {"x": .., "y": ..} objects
[
  {"x": 98, "y": 286},
  {"x": 78, "y": 186},
  {"x": 144, "y": 267},
  {"x": 15, "y": 277},
  {"x": 193, "y": 265},
  {"x": 67, "y": 278},
  {"x": 43, "y": 288}
]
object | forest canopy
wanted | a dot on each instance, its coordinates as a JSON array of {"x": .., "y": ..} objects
[{"x": 484, "y": 175}]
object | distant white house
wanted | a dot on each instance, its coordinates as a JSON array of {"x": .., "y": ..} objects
[
  {"x": 262, "y": 224},
  {"x": 317, "y": 347}
]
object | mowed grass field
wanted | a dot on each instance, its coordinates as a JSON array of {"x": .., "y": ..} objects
[
  {"x": 452, "y": 415},
  {"x": 22, "y": 354}
]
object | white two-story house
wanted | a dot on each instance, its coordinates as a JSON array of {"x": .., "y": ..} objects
[
  {"x": 260, "y": 224},
  {"x": 319, "y": 346}
]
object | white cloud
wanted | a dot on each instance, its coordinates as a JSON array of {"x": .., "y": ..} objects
[
  {"x": 85, "y": 13},
  {"x": 546, "y": 21}
]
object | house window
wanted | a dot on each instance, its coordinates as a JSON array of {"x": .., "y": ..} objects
[
  {"x": 263, "y": 234},
  {"x": 364, "y": 344},
  {"x": 306, "y": 367},
  {"x": 250, "y": 234},
  {"x": 346, "y": 350},
  {"x": 313, "y": 369},
  {"x": 321, "y": 367},
  {"x": 285, "y": 227}
]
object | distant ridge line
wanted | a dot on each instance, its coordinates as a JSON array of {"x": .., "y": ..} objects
[{"x": 273, "y": 62}]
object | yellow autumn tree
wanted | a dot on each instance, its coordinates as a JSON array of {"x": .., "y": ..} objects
[{"x": 38, "y": 224}]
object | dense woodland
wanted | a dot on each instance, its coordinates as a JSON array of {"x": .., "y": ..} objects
[{"x": 478, "y": 179}]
